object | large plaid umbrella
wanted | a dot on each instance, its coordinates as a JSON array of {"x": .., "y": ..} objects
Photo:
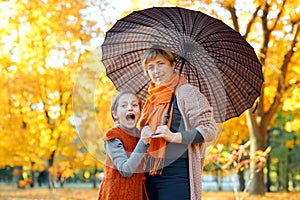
[{"x": 211, "y": 55}]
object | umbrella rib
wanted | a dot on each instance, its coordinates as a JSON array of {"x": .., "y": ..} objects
[
  {"x": 174, "y": 23},
  {"x": 206, "y": 36},
  {"x": 217, "y": 78},
  {"x": 231, "y": 50},
  {"x": 158, "y": 38},
  {"x": 199, "y": 85},
  {"x": 183, "y": 27},
  {"x": 145, "y": 85},
  {"x": 249, "y": 48},
  {"x": 221, "y": 61},
  {"x": 237, "y": 61},
  {"x": 235, "y": 85},
  {"x": 230, "y": 41},
  {"x": 125, "y": 81},
  {"x": 144, "y": 24},
  {"x": 136, "y": 61},
  {"x": 196, "y": 73},
  {"x": 194, "y": 25},
  {"x": 148, "y": 34}
]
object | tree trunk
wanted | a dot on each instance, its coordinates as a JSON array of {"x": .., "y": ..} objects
[
  {"x": 219, "y": 180},
  {"x": 268, "y": 162},
  {"x": 51, "y": 184},
  {"x": 241, "y": 180},
  {"x": 278, "y": 176},
  {"x": 94, "y": 178},
  {"x": 287, "y": 172},
  {"x": 257, "y": 185},
  {"x": 18, "y": 174},
  {"x": 257, "y": 138},
  {"x": 32, "y": 179}
]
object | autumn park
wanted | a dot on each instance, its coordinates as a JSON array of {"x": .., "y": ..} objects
[{"x": 55, "y": 99}]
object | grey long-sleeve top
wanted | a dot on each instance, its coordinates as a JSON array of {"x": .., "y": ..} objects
[{"x": 125, "y": 165}]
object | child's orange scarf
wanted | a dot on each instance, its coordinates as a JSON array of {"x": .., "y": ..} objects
[{"x": 154, "y": 111}]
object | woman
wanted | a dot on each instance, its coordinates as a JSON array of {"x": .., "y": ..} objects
[{"x": 176, "y": 154}]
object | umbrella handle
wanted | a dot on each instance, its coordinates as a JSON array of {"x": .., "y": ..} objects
[
  {"x": 167, "y": 115},
  {"x": 166, "y": 119},
  {"x": 181, "y": 67}
]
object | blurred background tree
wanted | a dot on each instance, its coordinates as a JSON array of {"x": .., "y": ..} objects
[
  {"x": 55, "y": 96},
  {"x": 45, "y": 43}
]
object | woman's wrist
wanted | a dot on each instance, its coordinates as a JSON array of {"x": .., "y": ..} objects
[{"x": 177, "y": 138}]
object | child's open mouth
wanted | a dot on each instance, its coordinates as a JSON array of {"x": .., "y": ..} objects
[{"x": 130, "y": 117}]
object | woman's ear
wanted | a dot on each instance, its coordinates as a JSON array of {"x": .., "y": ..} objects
[
  {"x": 173, "y": 65},
  {"x": 146, "y": 73}
]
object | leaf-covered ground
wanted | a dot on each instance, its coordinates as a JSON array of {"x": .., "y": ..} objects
[{"x": 11, "y": 193}]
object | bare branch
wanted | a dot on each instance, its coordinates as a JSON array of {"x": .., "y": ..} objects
[
  {"x": 266, "y": 34},
  {"x": 289, "y": 86},
  {"x": 261, "y": 102},
  {"x": 267, "y": 31},
  {"x": 265, "y": 17},
  {"x": 278, "y": 16},
  {"x": 234, "y": 18},
  {"x": 249, "y": 25},
  {"x": 281, "y": 82}
]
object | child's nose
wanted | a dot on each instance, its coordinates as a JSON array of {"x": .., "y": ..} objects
[{"x": 130, "y": 107}]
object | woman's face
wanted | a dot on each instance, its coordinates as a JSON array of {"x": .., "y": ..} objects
[
  {"x": 128, "y": 111},
  {"x": 159, "y": 69}
]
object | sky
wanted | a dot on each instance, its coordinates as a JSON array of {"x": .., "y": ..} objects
[
  {"x": 111, "y": 13},
  {"x": 114, "y": 11}
]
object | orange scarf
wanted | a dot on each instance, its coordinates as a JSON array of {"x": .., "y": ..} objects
[{"x": 153, "y": 113}]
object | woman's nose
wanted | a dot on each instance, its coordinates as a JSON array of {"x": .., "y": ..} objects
[{"x": 156, "y": 69}]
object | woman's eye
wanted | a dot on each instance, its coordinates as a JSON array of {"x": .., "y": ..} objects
[{"x": 150, "y": 68}]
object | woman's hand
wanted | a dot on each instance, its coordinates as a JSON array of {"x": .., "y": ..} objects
[
  {"x": 165, "y": 133},
  {"x": 146, "y": 134}
]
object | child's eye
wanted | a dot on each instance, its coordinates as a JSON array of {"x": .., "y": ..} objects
[{"x": 135, "y": 105}]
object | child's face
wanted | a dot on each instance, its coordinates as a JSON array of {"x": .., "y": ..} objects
[{"x": 128, "y": 111}]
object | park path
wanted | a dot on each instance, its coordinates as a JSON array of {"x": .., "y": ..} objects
[{"x": 12, "y": 193}]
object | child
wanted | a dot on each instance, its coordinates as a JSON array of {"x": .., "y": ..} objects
[{"x": 125, "y": 148}]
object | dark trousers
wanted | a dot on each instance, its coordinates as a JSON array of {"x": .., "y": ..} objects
[{"x": 173, "y": 183}]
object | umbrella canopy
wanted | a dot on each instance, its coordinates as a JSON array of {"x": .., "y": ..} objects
[{"x": 214, "y": 57}]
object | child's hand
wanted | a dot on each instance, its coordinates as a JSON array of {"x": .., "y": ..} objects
[{"x": 146, "y": 134}]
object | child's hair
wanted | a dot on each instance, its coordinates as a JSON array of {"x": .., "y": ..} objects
[{"x": 115, "y": 102}]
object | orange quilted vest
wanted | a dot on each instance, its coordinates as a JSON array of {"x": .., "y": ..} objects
[{"x": 114, "y": 186}]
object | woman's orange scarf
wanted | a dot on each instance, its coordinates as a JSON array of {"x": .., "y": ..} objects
[{"x": 153, "y": 113}]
